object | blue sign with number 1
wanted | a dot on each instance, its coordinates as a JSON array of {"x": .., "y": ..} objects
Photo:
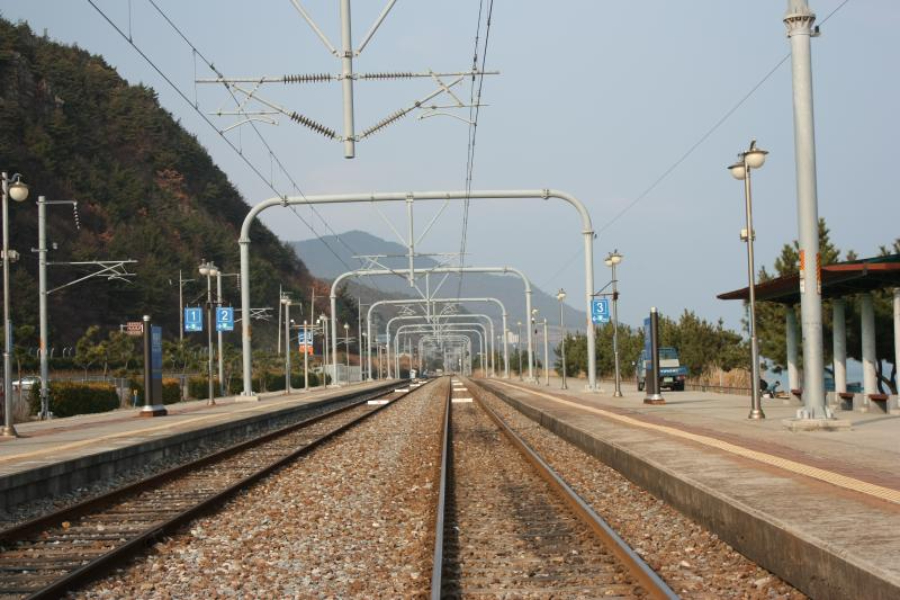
[
  {"x": 193, "y": 318},
  {"x": 600, "y": 311}
]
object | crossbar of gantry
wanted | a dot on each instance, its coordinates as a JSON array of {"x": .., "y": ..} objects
[
  {"x": 428, "y": 302},
  {"x": 587, "y": 232}
]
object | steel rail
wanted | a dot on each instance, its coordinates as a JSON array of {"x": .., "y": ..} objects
[
  {"x": 444, "y": 467},
  {"x": 640, "y": 570},
  {"x": 100, "y": 565}
]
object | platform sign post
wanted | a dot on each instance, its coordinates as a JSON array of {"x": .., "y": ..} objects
[
  {"x": 224, "y": 318},
  {"x": 600, "y": 311},
  {"x": 153, "y": 405},
  {"x": 193, "y": 319}
]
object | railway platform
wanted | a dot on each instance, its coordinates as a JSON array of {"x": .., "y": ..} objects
[
  {"x": 60, "y": 455},
  {"x": 820, "y": 509}
]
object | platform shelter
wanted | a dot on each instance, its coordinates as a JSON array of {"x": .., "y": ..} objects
[{"x": 859, "y": 278}]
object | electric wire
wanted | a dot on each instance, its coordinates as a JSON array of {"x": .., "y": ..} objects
[
  {"x": 683, "y": 157},
  {"x": 196, "y": 52},
  {"x": 206, "y": 119},
  {"x": 474, "y": 109}
]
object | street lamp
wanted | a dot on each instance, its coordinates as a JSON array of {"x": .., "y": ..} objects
[
  {"x": 286, "y": 303},
  {"x": 347, "y": 348},
  {"x": 613, "y": 259},
  {"x": 753, "y": 158},
  {"x": 561, "y": 296},
  {"x": 12, "y": 188},
  {"x": 209, "y": 270}
]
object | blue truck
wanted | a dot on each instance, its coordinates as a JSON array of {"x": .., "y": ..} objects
[{"x": 671, "y": 373}]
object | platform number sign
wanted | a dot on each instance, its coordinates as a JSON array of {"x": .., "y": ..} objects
[
  {"x": 225, "y": 318},
  {"x": 600, "y": 310},
  {"x": 193, "y": 318}
]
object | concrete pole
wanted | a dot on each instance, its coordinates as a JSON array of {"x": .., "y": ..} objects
[
  {"x": 278, "y": 328},
  {"x": 839, "y": 325},
  {"x": 180, "y": 307},
  {"x": 219, "y": 335},
  {"x": 867, "y": 316},
  {"x": 897, "y": 336},
  {"x": 42, "y": 305},
  {"x": 210, "y": 316},
  {"x": 790, "y": 326},
  {"x": 347, "y": 80},
  {"x": 799, "y": 21}
]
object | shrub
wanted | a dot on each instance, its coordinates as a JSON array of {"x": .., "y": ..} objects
[{"x": 69, "y": 398}]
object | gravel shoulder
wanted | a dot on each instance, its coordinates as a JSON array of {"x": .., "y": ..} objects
[
  {"x": 353, "y": 519},
  {"x": 691, "y": 559}
]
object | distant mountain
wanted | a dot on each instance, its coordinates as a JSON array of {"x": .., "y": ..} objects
[{"x": 323, "y": 264}]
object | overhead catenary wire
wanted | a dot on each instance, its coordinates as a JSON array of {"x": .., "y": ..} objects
[
  {"x": 265, "y": 143},
  {"x": 665, "y": 174},
  {"x": 256, "y": 170},
  {"x": 474, "y": 110}
]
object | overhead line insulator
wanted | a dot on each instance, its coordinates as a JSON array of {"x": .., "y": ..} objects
[
  {"x": 313, "y": 78},
  {"x": 317, "y": 127},
  {"x": 385, "y": 122},
  {"x": 398, "y": 75}
]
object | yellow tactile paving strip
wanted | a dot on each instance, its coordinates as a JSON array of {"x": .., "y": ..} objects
[
  {"x": 831, "y": 477},
  {"x": 131, "y": 433}
]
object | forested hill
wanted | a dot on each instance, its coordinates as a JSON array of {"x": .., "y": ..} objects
[{"x": 146, "y": 190}]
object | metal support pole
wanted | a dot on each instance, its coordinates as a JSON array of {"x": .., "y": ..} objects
[
  {"x": 562, "y": 326},
  {"x": 219, "y": 336},
  {"x": 209, "y": 339},
  {"x": 756, "y": 411},
  {"x": 617, "y": 393},
  {"x": 546, "y": 354},
  {"x": 287, "y": 344},
  {"x": 799, "y": 21},
  {"x": 519, "y": 347},
  {"x": 9, "y": 429},
  {"x": 528, "y": 318},
  {"x": 278, "y": 329},
  {"x": 42, "y": 305},
  {"x": 347, "y": 81}
]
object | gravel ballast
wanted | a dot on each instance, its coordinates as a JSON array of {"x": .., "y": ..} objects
[{"x": 353, "y": 519}]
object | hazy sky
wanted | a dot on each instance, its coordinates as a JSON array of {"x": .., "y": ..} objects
[{"x": 596, "y": 98}]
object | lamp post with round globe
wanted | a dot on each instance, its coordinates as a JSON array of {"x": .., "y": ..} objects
[
  {"x": 613, "y": 259},
  {"x": 753, "y": 158},
  {"x": 209, "y": 270},
  {"x": 15, "y": 188},
  {"x": 561, "y": 296}
]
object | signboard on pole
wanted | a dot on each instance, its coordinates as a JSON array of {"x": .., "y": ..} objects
[
  {"x": 648, "y": 347},
  {"x": 156, "y": 360},
  {"x": 600, "y": 311},
  {"x": 193, "y": 318},
  {"x": 225, "y": 318},
  {"x": 135, "y": 328},
  {"x": 304, "y": 345}
]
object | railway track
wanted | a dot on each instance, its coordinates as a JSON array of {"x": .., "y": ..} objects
[
  {"x": 53, "y": 554},
  {"x": 508, "y": 527}
]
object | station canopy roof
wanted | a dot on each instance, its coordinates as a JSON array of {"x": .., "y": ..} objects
[{"x": 838, "y": 280}]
